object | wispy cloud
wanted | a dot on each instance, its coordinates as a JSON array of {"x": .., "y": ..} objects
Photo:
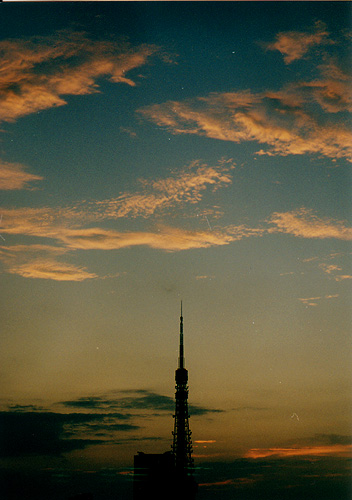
[
  {"x": 14, "y": 176},
  {"x": 165, "y": 238},
  {"x": 342, "y": 277},
  {"x": 294, "y": 45},
  {"x": 37, "y": 72},
  {"x": 64, "y": 226},
  {"x": 185, "y": 185},
  {"x": 304, "y": 223},
  {"x": 40, "y": 262},
  {"x": 313, "y": 301},
  {"x": 51, "y": 269}
]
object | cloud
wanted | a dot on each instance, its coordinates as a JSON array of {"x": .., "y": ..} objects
[
  {"x": 304, "y": 223},
  {"x": 65, "y": 225},
  {"x": 319, "y": 445},
  {"x": 332, "y": 270},
  {"x": 45, "y": 433},
  {"x": 14, "y": 176},
  {"x": 139, "y": 400},
  {"x": 343, "y": 277},
  {"x": 185, "y": 185},
  {"x": 206, "y": 441},
  {"x": 39, "y": 261},
  {"x": 310, "y": 301},
  {"x": 265, "y": 118},
  {"x": 37, "y": 72},
  {"x": 329, "y": 268},
  {"x": 51, "y": 269},
  {"x": 337, "y": 450},
  {"x": 294, "y": 45},
  {"x": 333, "y": 95},
  {"x": 165, "y": 238},
  {"x": 313, "y": 301}
]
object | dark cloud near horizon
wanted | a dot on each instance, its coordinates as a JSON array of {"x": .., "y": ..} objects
[
  {"x": 30, "y": 407},
  {"x": 139, "y": 399},
  {"x": 28, "y": 429},
  {"x": 49, "y": 433}
]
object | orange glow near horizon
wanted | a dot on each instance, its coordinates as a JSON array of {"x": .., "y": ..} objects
[{"x": 337, "y": 450}]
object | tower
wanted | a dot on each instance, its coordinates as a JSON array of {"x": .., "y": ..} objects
[
  {"x": 170, "y": 475},
  {"x": 182, "y": 443}
]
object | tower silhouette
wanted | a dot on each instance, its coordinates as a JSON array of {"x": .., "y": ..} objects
[
  {"x": 182, "y": 444},
  {"x": 169, "y": 476}
]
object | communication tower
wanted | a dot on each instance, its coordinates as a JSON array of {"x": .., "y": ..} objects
[{"x": 182, "y": 442}]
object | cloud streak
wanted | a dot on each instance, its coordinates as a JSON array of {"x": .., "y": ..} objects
[
  {"x": 337, "y": 450},
  {"x": 313, "y": 301},
  {"x": 165, "y": 238},
  {"x": 40, "y": 262},
  {"x": 51, "y": 269}
]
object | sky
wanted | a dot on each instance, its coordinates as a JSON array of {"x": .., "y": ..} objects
[{"x": 153, "y": 152}]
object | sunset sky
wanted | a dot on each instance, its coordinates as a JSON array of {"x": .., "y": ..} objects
[{"x": 158, "y": 151}]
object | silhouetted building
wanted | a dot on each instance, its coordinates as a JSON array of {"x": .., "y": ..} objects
[
  {"x": 169, "y": 476},
  {"x": 153, "y": 475}
]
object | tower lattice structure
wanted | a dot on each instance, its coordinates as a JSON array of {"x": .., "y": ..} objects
[{"x": 182, "y": 442}]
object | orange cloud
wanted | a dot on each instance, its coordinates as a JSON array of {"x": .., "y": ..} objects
[
  {"x": 329, "y": 268},
  {"x": 342, "y": 277},
  {"x": 51, "y": 269},
  {"x": 39, "y": 261},
  {"x": 281, "y": 120},
  {"x": 338, "y": 450},
  {"x": 293, "y": 45},
  {"x": 183, "y": 186},
  {"x": 312, "y": 301},
  {"x": 14, "y": 176},
  {"x": 205, "y": 441},
  {"x": 166, "y": 238},
  {"x": 240, "y": 481},
  {"x": 37, "y": 72},
  {"x": 303, "y": 223}
]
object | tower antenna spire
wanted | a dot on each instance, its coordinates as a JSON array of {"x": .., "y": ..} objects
[{"x": 181, "y": 360}]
